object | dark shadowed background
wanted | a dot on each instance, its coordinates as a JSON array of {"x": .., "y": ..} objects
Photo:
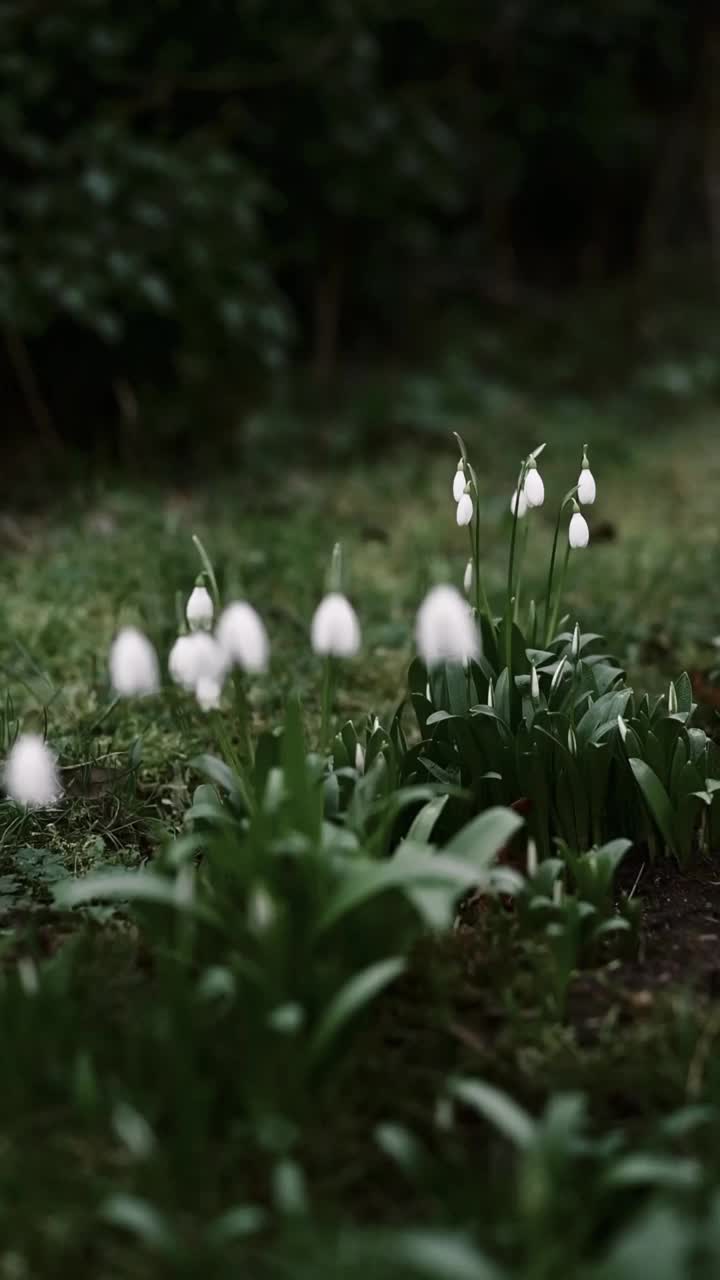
[{"x": 233, "y": 216}]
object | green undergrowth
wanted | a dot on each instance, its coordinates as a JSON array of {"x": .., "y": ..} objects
[{"x": 500, "y": 1115}]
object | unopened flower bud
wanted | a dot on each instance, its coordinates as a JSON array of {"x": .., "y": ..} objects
[
  {"x": 464, "y": 512},
  {"x": 459, "y": 481},
  {"x": 199, "y": 608}
]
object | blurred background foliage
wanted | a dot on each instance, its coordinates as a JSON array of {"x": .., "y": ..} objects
[{"x": 202, "y": 200}]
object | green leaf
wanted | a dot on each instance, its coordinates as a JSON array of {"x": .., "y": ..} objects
[
  {"x": 656, "y": 799},
  {"x": 483, "y": 838},
  {"x": 496, "y": 1107},
  {"x": 602, "y": 716},
  {"x": 358, "y": 992},
  {"x": 421, "y": 828},
  {"x": 127, "y": 886}
]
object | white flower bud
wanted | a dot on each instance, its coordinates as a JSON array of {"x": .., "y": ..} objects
[
  {"x": 31, "y": 776},
  {"x": 575, "y": 642},
  {"x": 464, "y": 510},
  {"x": 519, "y": 503},
  {"x": 243, "y": 639},
  {"x": 587, "y": 489},
  {"x": 359, "y": 758},
  {"x": 579, "y": 533},
  {"x": 672, "y": 700},
  {"x": 197, "y": 657},
  {"x": 459, "y": 482},
  {"x": 445, "y": 628},
  {"x": 534, "y": 684},
  {"x": 468, "y": 577},
  {"x": 199, "y": 609},
  {"x": 558, "y": 893},
  {"x": 134, "y": 670},
  {"x": 335, "y": 630},
  {"x": 208, "y": 692},
  {"x": 491, "y": 694},
  {"x": 534, "y": 488},
  {"x": 532, "y": 859}
]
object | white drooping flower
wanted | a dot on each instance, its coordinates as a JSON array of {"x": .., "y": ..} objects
[
  {"x": 519, "y": 502},
  {"x": 242, "y": 636},
  {"x": 445, "y": 629},
  {"x": 197, "y": 657},
  {"x": 335, "y": 630},
  {"x": 459, "y": 482},
  {"x": 579, "y": 532},
  {"x": 134, "y": 670},
  {"x": 31, "y": 775},
  {"x": 534, "y": 488},
  {"x": 587, "y": 489},
  {"x": 468, "y": 577},
  {"x": 208, "y": 692},
  {"x": 464, "y": 510},
  {"x": 199, "y": 609}
]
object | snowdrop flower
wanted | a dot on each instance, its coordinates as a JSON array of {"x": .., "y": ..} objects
[
  {"x": 208, "y": 692},
  {"x": 575, "y": 642},
  {"x": 468, "y": 577},
  {"x": 31, "y": 776},
  {"x": 464, "y": 510},
  {"x": 242, "y": 636},
  {"x": 672, "y": 700},
  {"x": 459, "y": 481},
  {"x": 335, "y": 630},
  {"x": 587, "y": 489},
  {"x": 195, "y": 658},
  {"x": 491, "y": 694},
  {"x": 199, "y": 609},
  {"x": 445, "y": 628},
  {"x": 518, "y": 503},
  {"x": 134, "y": 670},
  {"x": 534, "y": 684},
  {"x": 359, "y": 758},
  {"x": 579, "y": 533},
  {"x": 532, "y": 859},
  {"x": 534, "y": 489}
]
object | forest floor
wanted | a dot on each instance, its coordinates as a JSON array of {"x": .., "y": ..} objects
[{"x": 638, "y": 1036}]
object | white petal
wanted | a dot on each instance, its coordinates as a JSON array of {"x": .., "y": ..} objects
[
  {"x": 464, "y": 510},
  {"x": 579, "y": 533},
  {"x": 468, "y": 577},
  {"x": 31, "y": 776},
  {"x": 208, "y": 693},
  {"x": 359, "y": 758},
  {"x": 243, "y": 638},
  {"x": 587, "y": 489},
  {"x": 134, "y": 670},
  {"x": 534, "y": 488},
  {"x": 445, "y": 628},
  {"x": 335, "y": 630},
  {"x": 458, "y": 485},
  {"x": 521, "y": 504},
  {"x": 199, "y": 609}
]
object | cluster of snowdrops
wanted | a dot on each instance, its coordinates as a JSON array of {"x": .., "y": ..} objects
[{"x": 219, "y": 642}]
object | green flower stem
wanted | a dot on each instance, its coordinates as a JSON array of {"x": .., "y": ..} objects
[
  {"x": 243, "y": 714},
  {"x": 521, "y": 567},
  {"x": 511, "y": 572},
  {"x": 480, "y": 592},
  {"x": 328, "y": 691},
  {"x": 207, "y": 566},
  {"x": 548, "y": 594},
  {"x": 558, "y": 597},
  {"x": 232, "y": 759}
]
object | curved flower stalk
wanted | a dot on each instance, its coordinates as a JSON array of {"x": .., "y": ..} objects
[
  {"x": 537, "y": 490},
  {"x": 471, "y": 491}
]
